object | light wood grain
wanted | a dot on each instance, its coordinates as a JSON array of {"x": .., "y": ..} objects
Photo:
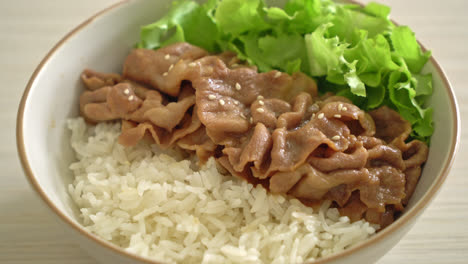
[{"x": 28, "y": 29}]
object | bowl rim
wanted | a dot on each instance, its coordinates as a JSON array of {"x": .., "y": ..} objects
[{"x": 402, "y": 221}]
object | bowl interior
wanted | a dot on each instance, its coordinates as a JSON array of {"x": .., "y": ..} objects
[
  {"x": 445, "y": 135},
  {"x": 102, "y": 44}
]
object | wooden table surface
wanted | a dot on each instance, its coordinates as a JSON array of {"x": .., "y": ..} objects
[{"x": 28, "y": 29}]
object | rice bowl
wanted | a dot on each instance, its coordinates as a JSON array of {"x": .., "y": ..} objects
[{"x": 54, "y": 196}]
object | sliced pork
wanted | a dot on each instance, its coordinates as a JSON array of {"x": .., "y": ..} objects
[{"x": 268, "y": 128}]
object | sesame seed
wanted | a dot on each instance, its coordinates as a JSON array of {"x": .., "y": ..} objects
[
  {"x": 238, "y": 87},
  {"x": 337, "y": 116},
  {"x": 131, "y": 97},
  {"x": 335, "y": 138},
  {"x": 260, "y": 97},
  {"x": 313, "y": 115},
  {"x": 211, "y": 97},
  {"x": 170, "y": 67},
  {"x": 192, "y": 64},
  {"x": 261, "y": 102},
  {"x": 165, "y": 74},
  {"x": 260, "y": 110},
  {"x": 167, "y": 57},
  {"x": 340, "y": 106},
  {"x": 221, "y": 102},
  {"x": 314, "y": 108},
  {"x": 126, "y": 91},
  {"x": 277, "y": 74},
  {"x": 236, "y": 102},
  {"x": 235, "y": 65},
  {"x": 251, "y": 119},
  {"x": 243, "y": 116},
  {"x": 321, "y": 115},
  {"x": 344, "y": 108}
]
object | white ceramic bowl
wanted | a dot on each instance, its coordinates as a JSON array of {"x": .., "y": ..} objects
[{"x": 102, "y": 42}]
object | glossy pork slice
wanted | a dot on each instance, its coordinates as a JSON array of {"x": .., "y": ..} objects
[
  {"x": 164, "y": 69},
  {"x": 109, "y": 103},
  {"x": 414, "y": 153},
  {"x": 94, "y": 80},
  {"x": 228, "y": 98},
  {"x": 145, "y": 113},
  {"x": 133, "y": 132}
]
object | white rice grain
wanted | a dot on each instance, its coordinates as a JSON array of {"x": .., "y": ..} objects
[{"x": 152, "y": 203}]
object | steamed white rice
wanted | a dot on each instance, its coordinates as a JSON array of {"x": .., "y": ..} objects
[{"x": 153, "y": 204}]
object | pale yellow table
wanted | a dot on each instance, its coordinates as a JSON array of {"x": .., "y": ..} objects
[{"x": 28, "y": 29}]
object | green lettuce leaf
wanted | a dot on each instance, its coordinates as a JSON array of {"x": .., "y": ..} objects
[
  {"x": 239, "y": 16},
  {"x": 406, "y": 45},
  {"x": 324, "y": 54},
  {"x": 307, "y": 14},
  {"x": 375, "y": 96},
  {"x": 276, "y": 13},
  {"x": 424, "y": 84},
  {"x": 377, "y": 10},
  {"x": 373, "y": 56},
  {"x": 278, "y": 51},
  {"x": 153, "y": 36},
  {"x": 423, "y": 128},
  {"x": 253, "y": 53},
  {"x": 353, "y": 51},
  {"x": 348, "y": 23},
  {"x": 190, "y": 22},
  {"x": 356, "y": 85},
  {"x": 326, "y": 57}
]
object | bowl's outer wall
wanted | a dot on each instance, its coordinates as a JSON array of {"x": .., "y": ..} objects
[{"x": 102, "y": 44}]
